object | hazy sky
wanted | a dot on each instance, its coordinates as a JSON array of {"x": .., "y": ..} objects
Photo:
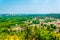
[{"x": 29, "y": 6}]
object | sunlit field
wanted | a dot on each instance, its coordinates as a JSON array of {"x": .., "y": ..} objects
[{"x": 30, "y": 27}]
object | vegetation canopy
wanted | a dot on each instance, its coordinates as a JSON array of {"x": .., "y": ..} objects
[{"x": 30, "y": 27}]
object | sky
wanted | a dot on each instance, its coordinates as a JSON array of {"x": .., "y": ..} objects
[{"x": 29, "y": 6}]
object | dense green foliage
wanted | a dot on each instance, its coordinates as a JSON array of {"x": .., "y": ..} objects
[{"x": 27, "y": 28}]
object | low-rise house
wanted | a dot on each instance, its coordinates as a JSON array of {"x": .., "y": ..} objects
[
  {"x": 56, "y": 30},
  {"x": 57, "y": 23}
]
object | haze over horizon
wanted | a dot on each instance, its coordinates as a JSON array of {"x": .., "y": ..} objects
[{"x": 29, "y": 6}]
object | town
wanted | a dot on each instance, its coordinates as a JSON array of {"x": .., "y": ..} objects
[{"x": 30, "y": 27}]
